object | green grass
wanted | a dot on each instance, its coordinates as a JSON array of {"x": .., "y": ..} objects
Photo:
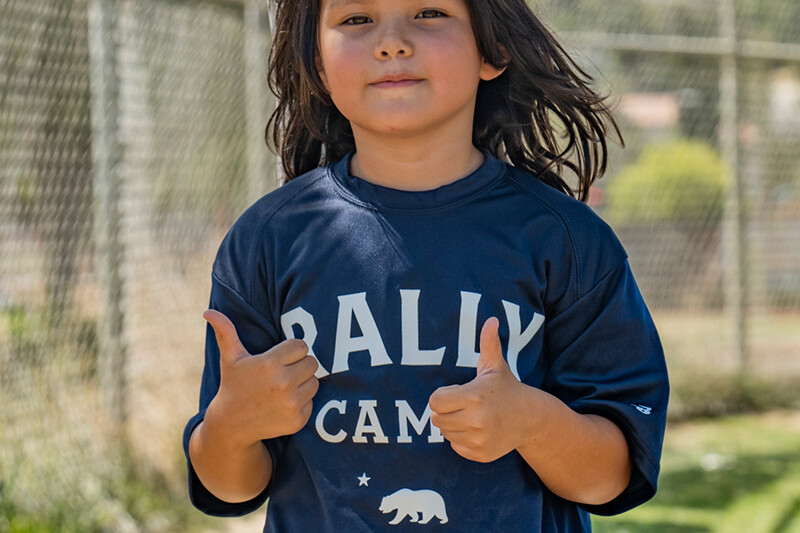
[
  {"x": 126, "y": 501},
  {"x": 731, "y": 475}
]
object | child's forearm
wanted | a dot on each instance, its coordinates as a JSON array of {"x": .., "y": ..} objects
[
  {"x": 582, "y": 458},
  {"x": 260, "y": 396},
  {"x": 230, "y": 471}
]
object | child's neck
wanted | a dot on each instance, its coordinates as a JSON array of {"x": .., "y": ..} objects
[{"x": 409, "y": 165}]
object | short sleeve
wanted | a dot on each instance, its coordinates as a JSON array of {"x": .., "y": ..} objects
[
  {"x": 257, "y": 335},
  {"x": 606, "y": 359}
]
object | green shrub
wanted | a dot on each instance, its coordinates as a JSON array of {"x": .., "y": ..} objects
[
  {"x": 680, "y": 181},
  {"x": 36, "y": 338},
  {"x": 127, "y": 501}
]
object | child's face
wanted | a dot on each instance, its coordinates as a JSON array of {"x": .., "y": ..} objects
[{"x": 401, "y": 66}]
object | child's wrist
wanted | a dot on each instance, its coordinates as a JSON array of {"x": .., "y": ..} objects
[
  {"x": 535, "y": 418},
  {"x": 222, "y": 434}
]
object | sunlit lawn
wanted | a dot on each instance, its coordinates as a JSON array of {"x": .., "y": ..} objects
[{"x": 738, "y": 474}]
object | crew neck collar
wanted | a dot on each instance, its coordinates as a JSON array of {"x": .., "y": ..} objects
[{"x": 368, "y": 194}]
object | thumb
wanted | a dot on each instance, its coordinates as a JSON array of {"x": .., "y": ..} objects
[
  {"x": 491, "y": 356},
  {"x": 230, "y": 347}
]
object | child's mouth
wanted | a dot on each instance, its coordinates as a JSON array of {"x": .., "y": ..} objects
[
  {"x": 396, "y": 84},
  {"x": 396, "y": 81}
]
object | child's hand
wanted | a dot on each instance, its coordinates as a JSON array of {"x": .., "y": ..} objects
[
  {"x": 480, "y": 418},
  {"x": 260, "y": 396}
]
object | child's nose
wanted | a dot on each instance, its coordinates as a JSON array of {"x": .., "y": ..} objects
[{"x": 393, "y": 44}]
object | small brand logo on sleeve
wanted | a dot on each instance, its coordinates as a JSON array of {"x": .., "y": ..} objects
[{"x": 645, "y": 410}]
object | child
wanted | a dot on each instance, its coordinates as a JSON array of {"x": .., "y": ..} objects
[{"x": 356, "y": 399}]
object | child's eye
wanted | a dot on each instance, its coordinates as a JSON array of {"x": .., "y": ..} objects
[
  {"x": 357, "y": 20},
  {"x": 430, "y": 13}
]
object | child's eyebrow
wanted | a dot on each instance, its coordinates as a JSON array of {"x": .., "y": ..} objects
[
  {"x": 340, "y": 4},
  {"x": 335, "y": 4}
]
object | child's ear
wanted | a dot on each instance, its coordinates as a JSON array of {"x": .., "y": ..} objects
[{"x": 489, "y": 71}]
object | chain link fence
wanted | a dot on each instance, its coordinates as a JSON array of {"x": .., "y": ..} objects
[
  {"x": 706, "y": 196},
  {"x": 131, "y": 136}
]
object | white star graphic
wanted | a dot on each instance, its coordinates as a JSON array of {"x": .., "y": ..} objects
[{"x": 363, "y": 479}]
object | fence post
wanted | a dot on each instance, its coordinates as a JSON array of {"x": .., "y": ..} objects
[
  {"x": 255, "y": 60},
  {"x": 106, "y": 156},
  {"x": 271, "y": 8},
  {"x": 734, "y": 243}
]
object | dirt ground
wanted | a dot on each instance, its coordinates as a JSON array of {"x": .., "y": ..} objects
[{"x": 252, "y": 523}]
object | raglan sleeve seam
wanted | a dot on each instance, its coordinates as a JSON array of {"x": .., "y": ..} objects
[
  {"x": 266, "y": 218},
  {"x": 562, "y": 219},
  {"x": 602, "y": 279}
]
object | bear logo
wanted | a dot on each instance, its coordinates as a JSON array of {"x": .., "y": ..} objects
[{"x": 412, "y": 503}]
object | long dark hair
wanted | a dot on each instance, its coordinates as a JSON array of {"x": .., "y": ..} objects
[{"x": 541, "y": 114}]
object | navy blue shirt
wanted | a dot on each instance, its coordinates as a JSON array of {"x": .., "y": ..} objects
[{"x": 390, "y": 289}]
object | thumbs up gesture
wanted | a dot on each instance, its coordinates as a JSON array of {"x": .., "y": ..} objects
[
  {"x": 480, "y": 418},
  {"x": 260, "y": 396}
]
